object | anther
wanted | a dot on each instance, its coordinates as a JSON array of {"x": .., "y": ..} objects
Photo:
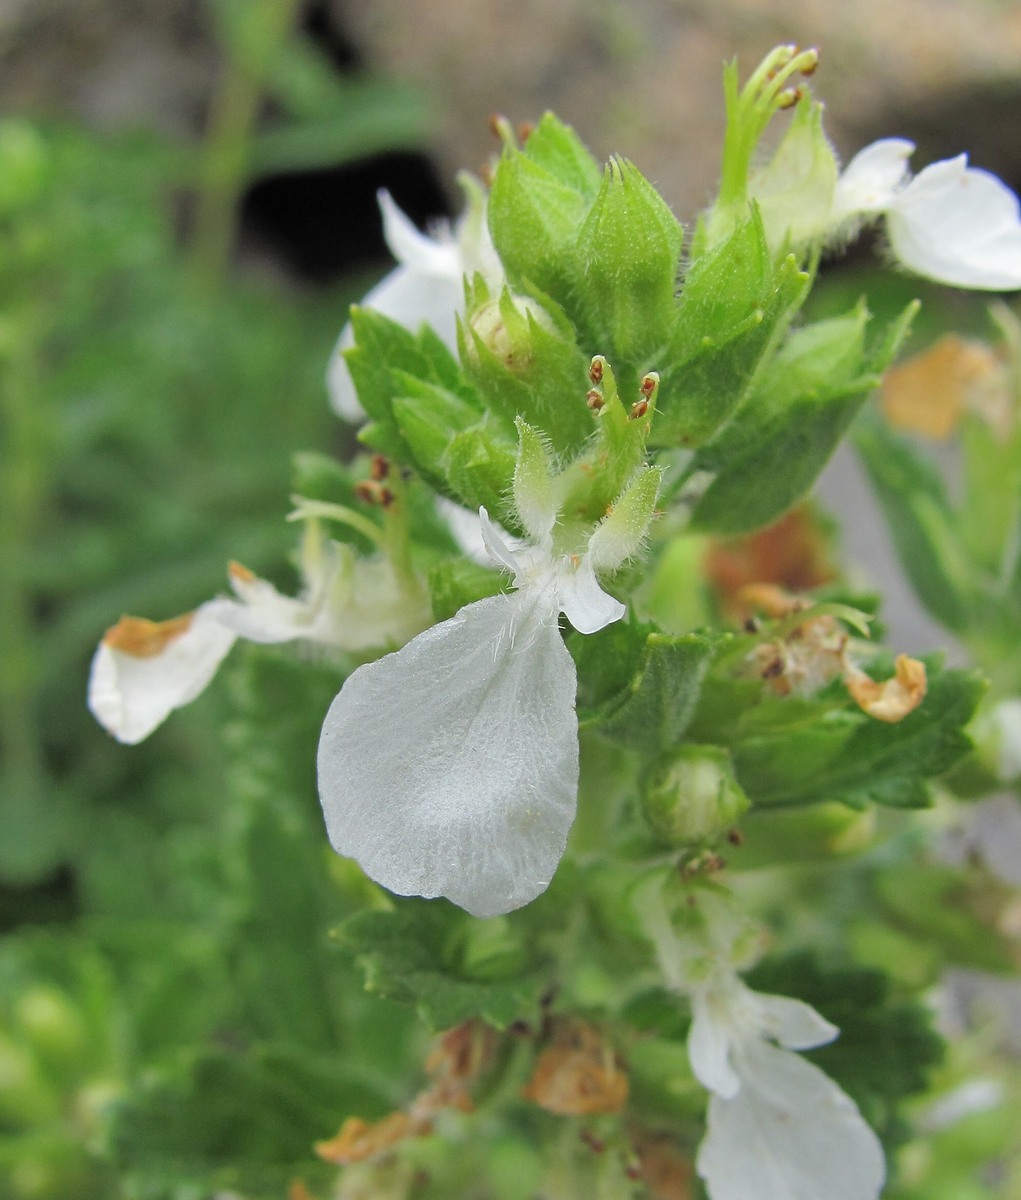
[
  {"x": 379, "y": 468},
  {"x": 638, "y": 410},
  {"x": 595, "y": 371},
  {"x": 648, "y": 385},
  {"x": 594, "y": 400}
]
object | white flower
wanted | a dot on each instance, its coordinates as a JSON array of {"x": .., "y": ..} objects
[
  {"x": 951, "y": 222},
  {"x": 450, "y": 768},
  {"x": 426, "y": 288},
  {"x": 144, "y": 670},
  {"x": 778, "y": 1127}
]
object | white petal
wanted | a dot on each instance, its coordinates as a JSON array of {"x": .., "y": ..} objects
[
  {"x": 410, "y": 297},
  {"x": 339, "y": 385},
  {"x": 958, "y": 225},
  {"x": 709, "y": 1045},
  {"x": 498, "y": 549},
  {"x": 136, "y": 682},
  {"x": 450, "y": 768},
  {"x": 466, "y": 529},
  {"x": 437, "y": 257},
  {"x": 871, "y": 179},
  {"x": 793, "y": 1023},
  {"x": 582, "y": 601},
  {"x": 789, "y": 1134}
]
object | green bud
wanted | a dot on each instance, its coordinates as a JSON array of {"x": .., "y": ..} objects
[
  {"x": 534, "y": 221},
  {"x": 522, "y": 357},
  {"x": 558, "y": 149},
  {"x": 691, "y": 796},
  {"x": 629, "y": 249}
]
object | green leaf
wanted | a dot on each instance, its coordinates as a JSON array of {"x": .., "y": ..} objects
[
  {"x": 415, "y": 954},
  {"x": 954, "y": 911},
  {"x": 639, "y": 687},
  {"x": 799, "y": 752},
  {"x": 734, "y": 305},
  {"x": 240, "y": 1120},
  {"x": 783, "y": 435},
  {"x": 921, "y": 523},
  {"x": 456, "y": 582}
]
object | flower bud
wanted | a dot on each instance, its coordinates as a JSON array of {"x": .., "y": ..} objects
[
  {"x": 691, "y": 796},
  {"x": 502, "y": 325}
]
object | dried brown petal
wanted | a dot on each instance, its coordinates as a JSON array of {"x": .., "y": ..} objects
[
  {"x": 927, "y": 394},
  {"x": 359, "y": 1140},
  {"x": 579, "y": 1075},
  {"x": 894, "y": 698}
]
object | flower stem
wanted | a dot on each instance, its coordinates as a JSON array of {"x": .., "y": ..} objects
[{"x": 223, "y": 169}]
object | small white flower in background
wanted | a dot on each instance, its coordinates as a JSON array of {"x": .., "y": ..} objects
[
  {"x": 953, "y": 223},
  {"x": 450, "y": 768},
  {"x": 144, "y": 670},
  {"x": 427, "y": 287},
  {"x": 777, "y": 1127}
]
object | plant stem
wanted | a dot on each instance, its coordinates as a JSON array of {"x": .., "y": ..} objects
[{"x": 224, "y": 167}]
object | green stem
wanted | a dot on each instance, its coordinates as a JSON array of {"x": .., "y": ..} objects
[
  {"x": 22, "y": 491},
  {"x": 224, "y": 167}
]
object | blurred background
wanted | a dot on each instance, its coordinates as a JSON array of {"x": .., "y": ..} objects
[{"x": 187, "y": 207}]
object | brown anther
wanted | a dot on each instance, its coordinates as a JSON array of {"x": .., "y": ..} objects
[
  {"x": 789, "y": 97},
  {"x": 595, "y": 371},
  {"x": 638, "y": 410},
  {"x": 525, "y": 131},
  {"x": 379, "y": 468},
  {"x": 633, "y": 1171},
  {"x": 594, "y": 1143},
  {"x": 595, "y": 400},
  {"x": 811, "y": 67},
  {"x": 367, "y": 490},
  {"x": 497, "y": 122},
  {"x": 386, "y": 497},
  {"x": 648, "y": 386},
  {"x": 735, "y": 837}
]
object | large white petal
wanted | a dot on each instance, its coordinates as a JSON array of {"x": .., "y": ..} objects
[
  {"x": 789, "y": 1134},
  {"x": 582, "y": 601},
  {"x": 450, "y": 768},
  {"x": 871, "y": 179},
  {"x": 143, "y": 670},
  {"x": 958, "y": 225}
]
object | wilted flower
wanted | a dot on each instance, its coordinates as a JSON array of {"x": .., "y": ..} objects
[
  {"x": 427, "y": 287},
  {"x": 143, "y": 670},
  {"x": 470, "y": 790}
]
